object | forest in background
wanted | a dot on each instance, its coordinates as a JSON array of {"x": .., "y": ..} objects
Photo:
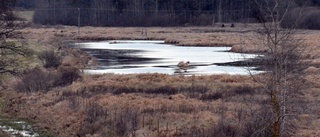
[{"x": 161, "y": 12}]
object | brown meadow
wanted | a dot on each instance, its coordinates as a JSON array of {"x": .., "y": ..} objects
[{"x": 159, "y": 105}]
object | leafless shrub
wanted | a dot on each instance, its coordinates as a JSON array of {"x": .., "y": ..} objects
[
  {"x": 68, "y": 75},
  {"x": 36, "y": 80},
  {"x": 286, "y": 62},
  {"x": 42, "y": 80},
  {"x": 50, "y": 59}
]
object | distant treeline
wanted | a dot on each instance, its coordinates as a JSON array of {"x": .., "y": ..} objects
[{"x": 147, "y": 12}]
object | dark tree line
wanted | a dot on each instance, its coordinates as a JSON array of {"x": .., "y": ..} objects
[
  {"x": 140, "y": 12},
  {"x": 147, "y": 12}
]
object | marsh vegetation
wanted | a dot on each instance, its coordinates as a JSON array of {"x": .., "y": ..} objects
[
  {"x": 60, "y": 100},
  {"x": 148, "y": 104}
]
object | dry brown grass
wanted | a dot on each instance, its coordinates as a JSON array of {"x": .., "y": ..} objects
[
  {"x": 61, "y": 110},
  {"x": 190, "y": 36},
  {"x": 181, "y": 105},
  {"x": 64, "y": 111},
  {"x": 241, "y": 39}
]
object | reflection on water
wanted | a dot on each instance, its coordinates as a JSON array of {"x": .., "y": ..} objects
[
  {"x": 130, "y": 57},
  {"x": 17, "y": 128}
]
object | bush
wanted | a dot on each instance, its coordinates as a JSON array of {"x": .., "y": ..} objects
[
  {"x": 50, "y": 59},
  {"x": 68, "y": 75},
  {"x": 38, "y": 79}
]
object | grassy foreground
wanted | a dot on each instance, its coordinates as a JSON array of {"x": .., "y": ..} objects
[{"x": 156, "y": 104}]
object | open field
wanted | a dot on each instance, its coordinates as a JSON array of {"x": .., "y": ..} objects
[{"x": 150, "y": 105}]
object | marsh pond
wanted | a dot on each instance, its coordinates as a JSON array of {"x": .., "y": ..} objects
[{"x": 138, "y": 56}]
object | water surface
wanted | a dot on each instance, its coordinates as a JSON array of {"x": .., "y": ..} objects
[{"x": 131, "y": 57}]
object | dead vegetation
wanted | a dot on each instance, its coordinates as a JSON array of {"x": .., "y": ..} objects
[
  {"x": 156, "y": 105},
  {"x": 146, "y": 104},
  {"x": 185, "y": 107}
]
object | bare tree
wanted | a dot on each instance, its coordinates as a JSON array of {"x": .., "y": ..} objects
[
  {"x": 283, "y": 78},
  {"x": 10, "y": 51},
  {"x": 7, "y": 25}
]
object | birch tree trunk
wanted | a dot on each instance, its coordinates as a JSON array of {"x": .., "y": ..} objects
[{"x": 283, "y": 60}]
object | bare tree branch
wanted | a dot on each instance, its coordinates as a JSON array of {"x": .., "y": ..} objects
[
  {"x": 283, "y": 61},
  {"x": 11, "y": 51}
]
